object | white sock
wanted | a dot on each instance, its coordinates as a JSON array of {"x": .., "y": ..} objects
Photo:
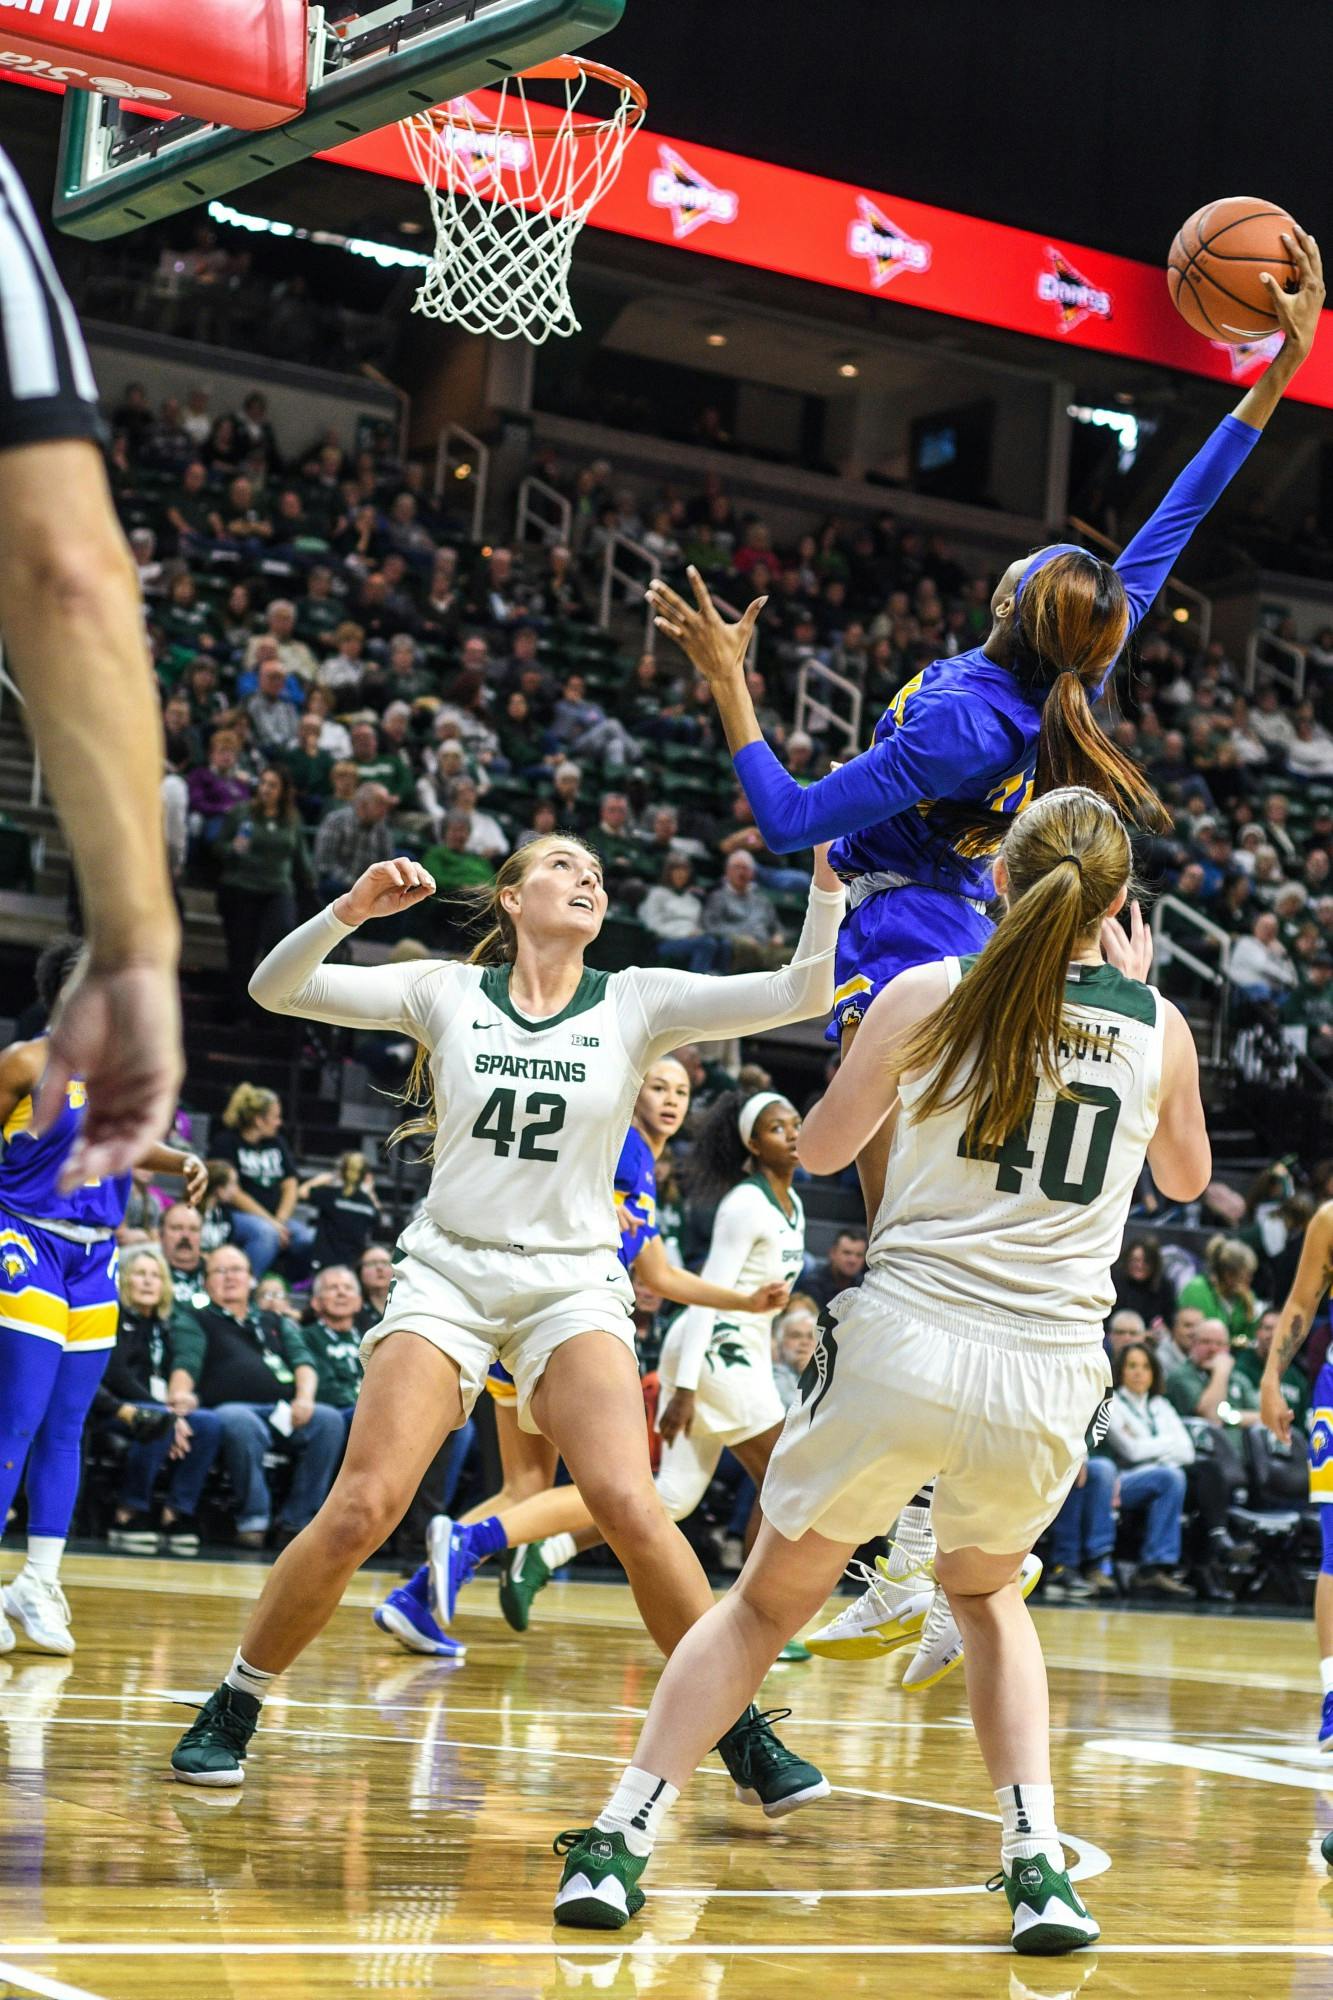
[
  {"x": 913, "y": 1543},
  {"x": 638, "y": 1807},
  {"x": 1028, "y": 1812},
  {"x": 247, "y": 1679},
  {"x": 557, "y": 1550},
  {"x": 44, "y": 1553},
  {"x": 1326, "y": 1675}
]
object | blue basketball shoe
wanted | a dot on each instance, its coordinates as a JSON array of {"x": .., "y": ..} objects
[
  {"x": 451, "y": 1557},
  {"x": 1326, "y": 1725},
  {"x": 406, "y": 1616}
]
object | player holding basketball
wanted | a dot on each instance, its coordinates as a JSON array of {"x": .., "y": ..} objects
[
  {"x": 535, "y": 1063},
  {"x": 963, "y": 746},
  {"x": 1021, "y": 1091},
  {"x": 1314, "y": 1275},
  {"x": 542, "y": 1527}
]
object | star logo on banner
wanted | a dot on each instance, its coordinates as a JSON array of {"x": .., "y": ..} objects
[
  {"x": 1245, "y": 356},
  {"x": 1076, "y": 298},
  {"x": 886, "y": 248},
  {"x": 689, "y": 197}
]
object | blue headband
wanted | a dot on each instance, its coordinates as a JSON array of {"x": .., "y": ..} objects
[{"x": 1044, "y": 556}]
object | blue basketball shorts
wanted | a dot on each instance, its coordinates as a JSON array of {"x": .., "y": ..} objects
[
  {"x": 892, "y": 931},
  {"x": 57, "y": 1290}
]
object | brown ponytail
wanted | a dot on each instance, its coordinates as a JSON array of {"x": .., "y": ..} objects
[
  {"x": 498, "y": 946},
  {"x": 1067, "y": 858},
  {"x": 1071, "y": 623}
]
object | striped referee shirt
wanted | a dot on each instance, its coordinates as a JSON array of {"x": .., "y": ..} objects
[{"x": 47, "y": 389}]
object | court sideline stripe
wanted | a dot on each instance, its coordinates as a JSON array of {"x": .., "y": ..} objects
[
  {"x": 647, "y": 1948},
  {"x": 38, "y": 1984}
]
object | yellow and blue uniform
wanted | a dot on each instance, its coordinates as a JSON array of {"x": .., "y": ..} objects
[
  {"x": 57, "y": 1251},
  {"x": 636, "y": 1212},
  {"x": 1321, "y": 1439},
  {"x": 58, "y": 1309},
  {"x": 916, "y": 819}
]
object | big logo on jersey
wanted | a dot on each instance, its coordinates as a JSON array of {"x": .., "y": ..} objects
[
  {"x": 1064, "y": 286},
  {"x": 886, "y": 248},
  {"x": 17, "y": 1255},
  {"x": 690, "y": 197}
]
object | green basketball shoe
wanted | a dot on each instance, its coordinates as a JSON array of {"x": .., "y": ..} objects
[
  {"x": 764, "y": 1771},
  {"x": 599, "y": 1888},
  {"x": 212, "y": 1750},
  {"x": 523, "y": 1572},
  {"x": 1048, "y": 1916}
]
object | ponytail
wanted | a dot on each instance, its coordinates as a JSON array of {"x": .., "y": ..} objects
[
  {"x": 1073, "y": 750},
  {"x": 719, "y": 1157},
  {"x": 1067, "y": 858},
  {"x": 1071, "y": 621}
]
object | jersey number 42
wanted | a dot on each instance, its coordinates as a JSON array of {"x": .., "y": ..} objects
[{"x": 496, "y": 1123}]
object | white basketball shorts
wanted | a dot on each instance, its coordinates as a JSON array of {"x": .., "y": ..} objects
[{"x": 904, "y": 1389}]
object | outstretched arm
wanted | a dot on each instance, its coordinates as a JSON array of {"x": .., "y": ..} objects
[
  {"x": 1147, "y": 560},
  {"x": 675, "y": 1007},
  {"x": 1314, "y": 1275}
]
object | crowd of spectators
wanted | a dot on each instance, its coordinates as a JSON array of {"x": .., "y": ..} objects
[
  {"x": 1185, "y": 1446},
  {"x": 345, "y": 677}
]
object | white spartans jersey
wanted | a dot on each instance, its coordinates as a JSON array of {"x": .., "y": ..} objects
[
  {"x": 1033, "y": 1228},
  {"x": 755, "y": 1242},
  {"x": 532, "y": 1114}
]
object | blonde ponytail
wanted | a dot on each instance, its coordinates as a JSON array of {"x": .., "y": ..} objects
[{"x": 1067, "y": 858}]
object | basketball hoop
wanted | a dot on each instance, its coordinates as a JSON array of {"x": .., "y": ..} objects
[{"x": 511, "y": 183}]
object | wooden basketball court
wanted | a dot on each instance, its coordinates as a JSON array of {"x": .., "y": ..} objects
[{"x": 393, "y": 1836}]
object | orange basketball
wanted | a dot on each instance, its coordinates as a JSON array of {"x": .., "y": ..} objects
[{"x": 1215, "y": 262}]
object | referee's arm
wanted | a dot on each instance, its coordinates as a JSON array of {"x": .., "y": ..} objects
[{"x": 72, "y": 625}]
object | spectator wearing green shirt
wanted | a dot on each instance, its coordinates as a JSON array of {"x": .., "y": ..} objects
[
  {"x": 377, "y": 766},
  {"x": 1207, "y": 1383},
  {"x": 1249, "y": 1366},
  {"x": 262, "y": 864},
  {"x": 449, "y": 861},
  {"x": 310, "y": 768},
  {"x": 257, "y": 1372},
  {"x": 1222, "y": 1289},
  {"x": 1312, "y": 1007},
  {"x": 334, "y": 1339}
]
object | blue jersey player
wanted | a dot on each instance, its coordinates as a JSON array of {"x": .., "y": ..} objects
[
  {"x": 519, "y": 1518},
  {"x": 964, "y": 745},
  {"x": 58, "y": 1312},
  {"x": 967, "y": 742}
]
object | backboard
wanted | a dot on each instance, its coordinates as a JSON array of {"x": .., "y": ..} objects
[{"x": 119, "y": 171}]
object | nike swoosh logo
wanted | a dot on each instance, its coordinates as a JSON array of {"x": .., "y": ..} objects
[{"x": 483, "y": 1027}]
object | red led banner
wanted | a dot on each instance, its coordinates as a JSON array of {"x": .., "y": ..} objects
[{"x": 747, "y": 211}]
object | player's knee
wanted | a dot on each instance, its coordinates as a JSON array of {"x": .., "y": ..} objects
[
  {"x": 361, "y": 1513},
  {"x": 631, "y": 1519},
  {"x": 68, "y": 576}
]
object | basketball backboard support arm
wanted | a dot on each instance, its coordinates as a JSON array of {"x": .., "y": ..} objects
[{"x": 117, "y": 173}]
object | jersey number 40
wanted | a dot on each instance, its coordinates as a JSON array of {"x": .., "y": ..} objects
[
  {"x": 496, "y": 1123},
  {"x": 1015, "y": 1157}
]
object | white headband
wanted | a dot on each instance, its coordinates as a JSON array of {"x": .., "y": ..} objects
[{"x": 752, "y": 1109}]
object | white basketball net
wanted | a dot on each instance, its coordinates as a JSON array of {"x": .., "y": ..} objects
[{"x": 510, "y": 189}]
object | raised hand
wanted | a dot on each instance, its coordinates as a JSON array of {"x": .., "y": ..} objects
[
  {"x": 384, "y": 889},
  {"x": 1131, "y": 955},
  {"x": 1299, "y": 310},
  {"x": 717, "y": 649}
]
